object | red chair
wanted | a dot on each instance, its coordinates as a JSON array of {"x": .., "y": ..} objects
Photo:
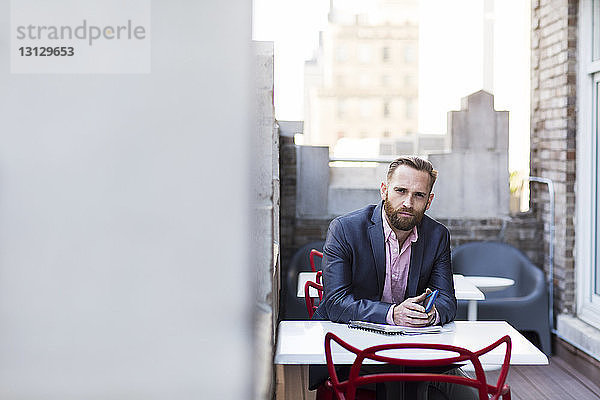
[
  {"x": 346, "y": 390},
  {"x": 325, "y": 390},
  {"x": 318, "y": 278},
  {"x": 310, "y": 301},
  {"x": 311, "y": 257}
]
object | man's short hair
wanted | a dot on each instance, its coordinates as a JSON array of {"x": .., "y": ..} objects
[{"x": 417, "y": 163}]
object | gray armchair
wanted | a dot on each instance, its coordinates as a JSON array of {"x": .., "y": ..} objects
[{"x": 524, "y": 305}]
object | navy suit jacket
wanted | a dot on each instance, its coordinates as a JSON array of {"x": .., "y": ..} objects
[{"x": 354, "y": 268}]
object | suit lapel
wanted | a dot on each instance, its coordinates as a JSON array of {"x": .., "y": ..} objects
[{"x": 378, "y": 246}]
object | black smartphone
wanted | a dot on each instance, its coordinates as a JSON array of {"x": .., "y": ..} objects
[{"x": 429, "y": 300}]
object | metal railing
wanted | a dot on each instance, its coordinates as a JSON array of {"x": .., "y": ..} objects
[
  {"x": 550, "y": 246},
  {"x": 380, "y": 159}
]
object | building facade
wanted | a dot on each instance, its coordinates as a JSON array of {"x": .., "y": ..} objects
[{"x": 363, "y": 84}]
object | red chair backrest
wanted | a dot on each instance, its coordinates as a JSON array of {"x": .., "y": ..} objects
[
  {"x": 318, "y": 279},
  {"x": 346, "y": 390},
  {"x": 311, "y": 257},
  {"x": 310, "y": 302}
]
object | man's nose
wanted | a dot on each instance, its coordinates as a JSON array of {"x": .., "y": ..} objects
[{"x": 407, "y": 202}]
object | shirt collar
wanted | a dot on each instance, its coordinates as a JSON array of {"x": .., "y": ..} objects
[{"x": 388, "y": 233}]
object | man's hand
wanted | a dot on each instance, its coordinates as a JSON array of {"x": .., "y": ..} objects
[{"x": 411, "y": 313}]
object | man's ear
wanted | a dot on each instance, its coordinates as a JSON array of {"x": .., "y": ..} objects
[
  {"x": 431, "y": 195},
  {"x": 383, "y": 191}
]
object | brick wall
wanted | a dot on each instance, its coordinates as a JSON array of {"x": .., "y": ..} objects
[
  {"x": 523, "y": 231},
  {"x": 310, "y": 230},
  {"x": 553, "y": 123}
]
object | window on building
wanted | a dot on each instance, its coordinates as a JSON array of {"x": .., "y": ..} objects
[
  {"x": 405, "y": 147},
  {"x": 410, "y": 54},
  {"x": 385, "y": 80},
  {"x": 364, "y": 80},
  {"x": 409, "y": 81},
  {"x": 341, "y": 53},
  {"x": 410, "y": 109},
  {"x": 342, "y": 108},
  {"x": 387, "y": 149},
  {"x": 364, "y": 53},
  {"x": 596, "y": 130},
  {"x": 596, "y": 31},
  {"x": 385, "y": 54},
  {"x": 364, "y": 108},
  {"x": 387, "y": 134},
  {"x": 588, "y": 167},
  {"x": 386, "y": 109}
]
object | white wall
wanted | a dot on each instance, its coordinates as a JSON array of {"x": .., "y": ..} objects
[
  {"x": 123, "y": 218},
  {"x": 265, "y": 225}
]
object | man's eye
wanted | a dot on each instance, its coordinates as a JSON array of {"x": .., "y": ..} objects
[
  {"x": 420, "y": 195},
  {"x": 400, "y": 190}
]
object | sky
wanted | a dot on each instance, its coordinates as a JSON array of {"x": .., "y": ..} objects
[{"x": 450, "y": 59}]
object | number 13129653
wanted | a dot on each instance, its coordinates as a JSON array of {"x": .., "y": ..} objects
[{"x": 46, "y": 51}]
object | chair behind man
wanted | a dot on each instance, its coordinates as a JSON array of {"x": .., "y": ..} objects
[
  {"x": 525, "y": 304},
  {"x": 347, "y": 389},
  {"x": 294, "y": 307}
]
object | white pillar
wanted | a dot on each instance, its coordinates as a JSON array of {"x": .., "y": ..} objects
[{"x": 124, "y": 213}]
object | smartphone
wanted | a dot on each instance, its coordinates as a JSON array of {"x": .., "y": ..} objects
[{"x": 429, "y": 300}]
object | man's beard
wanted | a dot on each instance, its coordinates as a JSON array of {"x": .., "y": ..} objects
[{"x": 401, "y": 222}]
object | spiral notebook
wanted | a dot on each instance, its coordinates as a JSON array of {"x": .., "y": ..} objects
[{"x": 394, "y": 329}]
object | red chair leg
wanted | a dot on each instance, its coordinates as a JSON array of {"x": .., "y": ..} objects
[{"x": 324, "y": 393}]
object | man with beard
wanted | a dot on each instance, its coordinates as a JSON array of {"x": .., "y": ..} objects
[{"x": 381, "y": 261}]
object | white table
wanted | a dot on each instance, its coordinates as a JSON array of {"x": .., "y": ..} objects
[
  {"x": 303, "y": 277},
  {"x": 466, "y": 290},
  {"x": 489, "y": 284},
  {"x": 302, "y": 342},
  {"x": 463, "y": 290}
]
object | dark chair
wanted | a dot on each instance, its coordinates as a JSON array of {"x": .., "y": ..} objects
[
  {"x": 523, "y": 305},
  {"x": 449, "y": 355},
  {"x": 292, "y": 306}
]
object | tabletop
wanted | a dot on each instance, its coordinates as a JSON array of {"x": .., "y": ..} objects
[
  {"x": 302, "y": 278},
  {"x": 465, "y": 289},
  {"x": 490, "y": 283},
  {"x": 302, "y": 342}
]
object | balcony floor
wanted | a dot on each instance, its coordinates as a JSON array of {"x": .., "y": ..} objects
[{"x": 558, "y": 381}]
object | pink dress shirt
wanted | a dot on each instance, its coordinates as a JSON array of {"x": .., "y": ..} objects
[{"x": 397, "y": 263}]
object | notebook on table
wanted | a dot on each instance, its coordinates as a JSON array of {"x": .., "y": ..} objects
[{"x": 394, "y": 329}]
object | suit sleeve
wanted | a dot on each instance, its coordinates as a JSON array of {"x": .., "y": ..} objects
[
  {"x": 339, "y": 302},
  {"x": 441, "y": 279}
]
